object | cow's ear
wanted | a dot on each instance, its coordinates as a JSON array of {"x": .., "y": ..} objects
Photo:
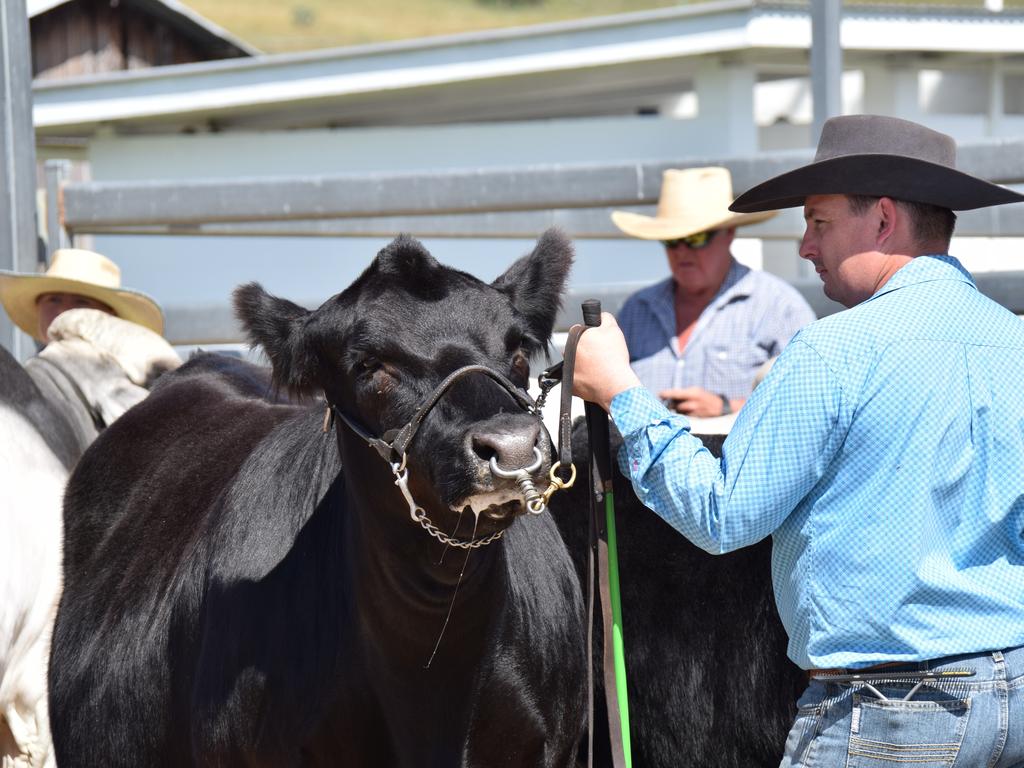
[
  {"x": 279, "y": 327},
  {"x": 535, "y": 283},
  {"x": 406, "y": 262}
]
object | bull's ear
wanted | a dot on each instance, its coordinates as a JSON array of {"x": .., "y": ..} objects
[
  {"x": 406, "y": 262},
  {"x": 279, "y": 327},
  {"x": 535, "y": 283}
]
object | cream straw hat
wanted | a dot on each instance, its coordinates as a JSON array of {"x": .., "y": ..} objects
[
  {"x": 85, "y": 273},
  {"x": 692, "y": 200}
]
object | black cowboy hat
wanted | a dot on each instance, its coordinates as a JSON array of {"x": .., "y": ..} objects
[{"x": 879, "y": 157}]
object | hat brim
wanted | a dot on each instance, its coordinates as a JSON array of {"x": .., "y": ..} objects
[
  {"x": 19, "y": 293},
  {"x": 654, "y": 228},
  {"x": 876, "y": 175}
]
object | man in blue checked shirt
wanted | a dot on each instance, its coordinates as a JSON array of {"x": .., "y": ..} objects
[
  {"x": 884, "y": 453},
  {"x": 699, "y": 338}
]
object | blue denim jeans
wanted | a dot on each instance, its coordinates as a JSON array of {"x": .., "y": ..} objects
[{"x": 969, "y": 722}]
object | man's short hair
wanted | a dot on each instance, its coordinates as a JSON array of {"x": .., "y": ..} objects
[{"x": 928, "y": 222}]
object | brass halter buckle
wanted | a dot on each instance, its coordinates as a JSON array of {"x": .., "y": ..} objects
[{"x": 557, "y": 484}]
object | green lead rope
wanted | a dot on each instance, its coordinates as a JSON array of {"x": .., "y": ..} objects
[{"x": 618, "y": 645}]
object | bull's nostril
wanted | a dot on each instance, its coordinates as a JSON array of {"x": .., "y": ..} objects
[
  {"x": 509, "y": 447},
  {"x": 483, "y": 450}
]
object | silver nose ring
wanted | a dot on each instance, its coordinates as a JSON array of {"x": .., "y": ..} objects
[{"x": 531, "y": 496}]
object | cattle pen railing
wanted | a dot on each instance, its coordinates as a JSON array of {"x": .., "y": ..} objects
[{"x": 515, "y": 202}]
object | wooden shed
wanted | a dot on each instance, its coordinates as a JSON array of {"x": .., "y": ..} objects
[{"x": 83, "y": 37}]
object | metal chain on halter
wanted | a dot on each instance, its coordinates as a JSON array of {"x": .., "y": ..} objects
[
  {"x": 546, "y": 382},
  {"x": 421, "y": 517},
  {"x": 418, "y": 514}
]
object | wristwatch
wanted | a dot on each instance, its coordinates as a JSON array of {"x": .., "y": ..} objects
[{"x": 726, "y": 405}]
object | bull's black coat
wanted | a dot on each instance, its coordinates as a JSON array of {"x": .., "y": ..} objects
[
  {"x": 709, "y": 682},
  {"x": 243, "y": 589}
]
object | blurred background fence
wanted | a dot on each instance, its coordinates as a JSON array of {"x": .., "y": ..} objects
[{"x": 489, "y": 203}]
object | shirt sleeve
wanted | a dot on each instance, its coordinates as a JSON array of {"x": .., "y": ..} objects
[{"x": 780, "y": 446}]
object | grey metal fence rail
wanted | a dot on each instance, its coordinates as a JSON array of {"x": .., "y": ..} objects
[
  {"x": 492, "y": 202},
  {"x": 482, "y": 203}
]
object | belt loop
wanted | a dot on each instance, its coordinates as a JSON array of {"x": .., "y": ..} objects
[{"x": 999, "y": 666}]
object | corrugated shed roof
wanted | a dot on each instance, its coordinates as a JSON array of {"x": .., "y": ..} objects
[{"x": 175, "y": 13}]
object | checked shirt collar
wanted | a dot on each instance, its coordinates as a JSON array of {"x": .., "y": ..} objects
[{"x": 924, "y": 269}]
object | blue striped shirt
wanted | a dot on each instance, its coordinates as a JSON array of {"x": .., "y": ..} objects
[
  {"x": 885, "y": 454},
  {"x": 751, "y": 318}
]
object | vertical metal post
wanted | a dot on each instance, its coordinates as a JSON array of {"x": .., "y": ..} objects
[
  {"x": 18, "y": 247},
  {"x": 56, "y": 236},
  {"x": 826, "y": 63},
  {"x": 996, "y": 99}
]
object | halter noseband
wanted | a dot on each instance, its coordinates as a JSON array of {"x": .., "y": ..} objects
[{"x": 393, "y": 445}]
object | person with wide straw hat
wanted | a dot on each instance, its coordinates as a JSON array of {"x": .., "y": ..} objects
[
  {"x": 698, "y": 338},
  {"x": 76, "y": 278},
  {"x": 883, "y": 452}
]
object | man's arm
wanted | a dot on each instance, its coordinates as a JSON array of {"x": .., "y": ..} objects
[{"x": 780, "y": 446}]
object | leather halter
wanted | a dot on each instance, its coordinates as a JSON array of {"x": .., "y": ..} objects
[{"x": 394, "y": 443}]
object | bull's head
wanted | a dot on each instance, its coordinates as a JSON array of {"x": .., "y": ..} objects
[{"x": 381, "y": 347}]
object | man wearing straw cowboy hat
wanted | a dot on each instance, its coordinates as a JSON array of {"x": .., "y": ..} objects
[
  {"x": 75, "y": 279},
  {"x": 698, "y": 338},
  {"x": 884, "y": 452}
]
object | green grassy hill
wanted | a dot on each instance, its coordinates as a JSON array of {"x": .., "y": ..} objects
[{"x": 276, "y": 26}]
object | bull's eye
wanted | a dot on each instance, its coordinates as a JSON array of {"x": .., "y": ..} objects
[
  {"x": 374, "y": 378},
  {"x": 367, "y": 364},
  {"x": 520, "y": 368}
]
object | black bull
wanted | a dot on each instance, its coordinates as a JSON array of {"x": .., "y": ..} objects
[
  {"x": 243, "y": 589},
  {"x": 233, "y": 597}
]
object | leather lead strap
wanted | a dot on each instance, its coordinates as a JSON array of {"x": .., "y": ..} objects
[
  {"x": 597, "y": 564},
  {"x": 565, "y": 398}
]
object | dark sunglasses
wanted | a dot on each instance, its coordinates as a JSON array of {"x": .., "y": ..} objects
[{"x": 695, "y": 242}]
